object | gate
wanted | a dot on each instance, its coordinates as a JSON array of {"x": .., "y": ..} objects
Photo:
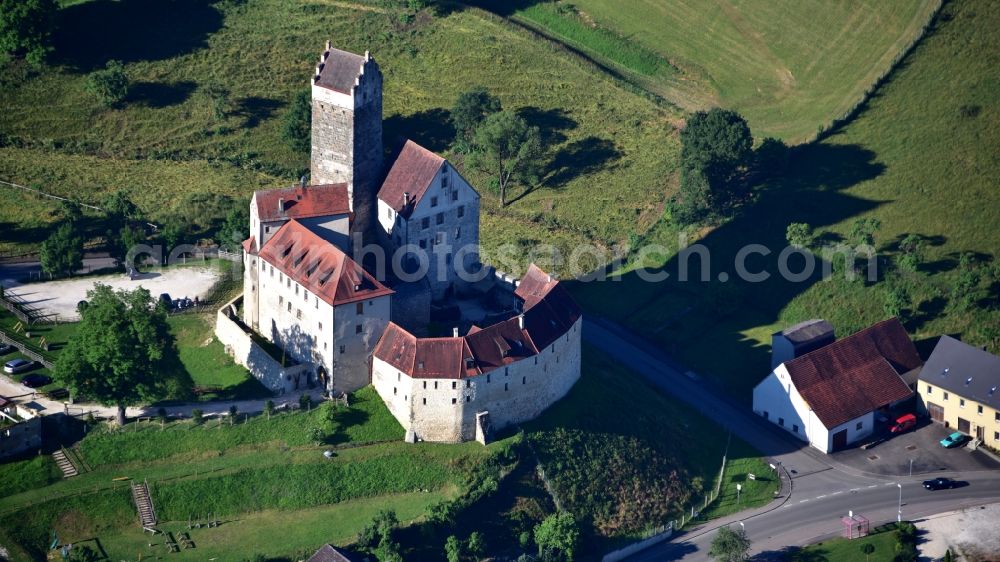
[
  {"x": 840, "y": 440},
  {"x": 963, "y": 426},
  {"x": 936, "y": 412}
]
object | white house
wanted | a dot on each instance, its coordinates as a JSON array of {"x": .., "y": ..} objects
[
  {"x": 828, "y": 397},
  {"x": 424, "y": 203}
]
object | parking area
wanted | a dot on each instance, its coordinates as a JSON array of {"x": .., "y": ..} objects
[
  {"x": 893, "y": 456},
  {"x": 59, "y": 298}
]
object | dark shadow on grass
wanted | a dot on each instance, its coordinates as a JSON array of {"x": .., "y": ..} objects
[
  {"x": 792, "y": 554},
  {"x": 89, "y": 34},
  {"x": 255, "y": 109},
  {"x": 431, "y": 128},
  {"x": 343, "y": 418},
  {"x": 552, "y": 123},
  {"x": 160, "y": 94},
  {"x": 580, "y": 158},
  {"x": 811, "y": 191}
]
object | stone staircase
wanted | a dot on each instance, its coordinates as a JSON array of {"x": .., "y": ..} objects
[
  {"x": 143, "y": 503},
  {"x": 64, "y": 464}
]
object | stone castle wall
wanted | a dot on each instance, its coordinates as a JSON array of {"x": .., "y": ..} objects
[{"x": 444, "y": 410}]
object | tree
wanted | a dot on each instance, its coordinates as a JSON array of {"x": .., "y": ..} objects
[
  {"x": 70, "y": 211},
  {"x": 26, "y": 27},
  {"x": 715, "y": 147},
  {"x": 236, "y": 227},
  {"x": 476, "y": 545},
  {"x": 197, "y": 416},
  {"x": 379, "y": 530},
  {"x": 897, "y": 300},
  {"x": 218, "y": 99},
  {"x": 730, "y": 546},
  {"x": 911, "y": 247},
  {"x": 863, "y": 231},
  {"x": 62, "y": 252},
  {"x": 453, "y": 549},
  {"x": 799, "y": 234},
  {"x": 297, "y": 129},
  {"x": 175, "y": 231},
  {"x": 559, "y": 532},
  {"x": 123, "y": 352},
  {"x": 505, "y": 145},
  {"x": 470, "y": 110},
  {"x": 110, "y": 85},
  {"x": 120, "y": 208},
  {"x": 867, "y": 548},
  {"x": 771, "y": 157},
  {"x": 948, "y": 557},
  {"x": 122, "y": 242}
]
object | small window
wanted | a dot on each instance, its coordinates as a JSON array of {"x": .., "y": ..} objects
[
  {"x": 487, "y": 377},
  {"x": 425, "y": 401},
  {"x": 996, "y": 435},
  {"x": 781, "y": 422},
  {"x": 930, "y": 390},
  {"x": 468, "y": 383},
  {"x": 281, "y": 277},
  {"x": 766, "y": 415},
  {"x": 296, "y": 289},
  {"x": 454, "y": 385},
  {"x": 439, "y": 218},
  {"x": 320, "y": 326},
  {"x": 454, "y": 400},
  {"x": 468, "y": 399},
  {"x": 289, "y": 306},
  {"x": 399, "y": 377},
  {"x": 859, "y": 426},
  {"x": 359, "y": 308},
  {"x": 795, "y": 428},
  {"x": 281, "y": 300},
  {"x": 324, "y": 346},
  {"x": 357, "y": 329},
  {"x": 267, "y": 229},
  {"x": 393, "y": 391},
  {"x": 341, "y": 349},
  {"x": 979, "y": 410},
  {"x": 423, "y": 244},
  {"x": 388, "y": 213},
  {"x": 435, "y": 385},
  {"x": 444, "y": 178},
  {"x": 458, "y": 232},
  {"x": 272, "y": 272},
  {"x": 996, "y": 416},
  {"x": 425, "y": 385},
  {"x": 945, "y": 396},
  {"x": 298, "y": 313},
  {"x": 461, "y": 211},
  {"x": 505, "y": 387},
  {"x": 454, "y": 195},
  {"x": 961, "y": 402},
  {"x": 434, "y": 201},
  {"x": 524, "y": 380}
]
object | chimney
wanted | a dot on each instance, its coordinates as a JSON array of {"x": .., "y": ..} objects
[
  {"x": 281, "y": 205},
  {"x": 406, "y": 198},
  {"x": 302, "y": 182},
  {"x": 454, "y": 332},
  {"x": 520, "y": 321}
]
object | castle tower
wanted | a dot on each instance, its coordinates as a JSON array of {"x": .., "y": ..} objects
[{"x": 347, "y": 129}]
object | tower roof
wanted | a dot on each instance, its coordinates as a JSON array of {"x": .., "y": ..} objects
[
  {"x": 339, "y": 70},
  {"x": 411, "y": 173},
  {"x": 303, "y": 202}
]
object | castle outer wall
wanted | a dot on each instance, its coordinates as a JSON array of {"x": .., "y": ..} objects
[{"x": 444, "y": 410}]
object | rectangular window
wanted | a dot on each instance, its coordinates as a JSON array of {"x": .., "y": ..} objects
[
  {"x": 859, "y": 426},
  {"x": 454, "y": 400},
  {"x": 281, "y": 277},
  {"x": 296, "y": 289},
  {"x": 945, "y": 396},
  {"x": 461, "y": 211},
  {"x": 272, "y": 271},
  {"x": 505, "y": 387},
  {"x": 435, "y": 385},
  {"x": 434, "y": 201},
  {"x": 357, "y": 329},
  {"x": 996, "y": 435},
  {"x": 961, "y": 402},
  {"x": 795, "y": 428},
  {"x": 454, "y": 195},
  {"x": 996, "y": 417},
  {"x": 439, "y": 238},
  {"x": 425, "y": 385},
  {"x": 930, "y": 390},
  {"x": 468, "y": 383},
  {"x": 524, "y": 380},
  {"x": 423, "y": 243},
  {"x": 289, "y": 306},
  {"x": 439, "y": 218},
  {"x": 454, "y": 385},
  {"x": 458, "y": 232},
  {"x": 468, "y": 398},
  {"x": 425, "y": 223},
  {"x": 487, "y": 377},
  {"x": 393, "y": 391},
  {"x": 399, "y": 377},
  {"x": 425, "y": 401},
  {"x": 359, "y": 308},
  {"x": 320, "y": 326},
  {"x": 341, "y": 349},
  {"x": 281, "y": 300},
  {"x": 781, "y": 422},
  {"x": 388, "y": 213},
  {"x": 979, "y": 410},
  {"x": 444, "y": 179},
  {"x": 298, "y": 313}
]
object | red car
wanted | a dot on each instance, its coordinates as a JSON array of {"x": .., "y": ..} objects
[{"x": 903, "y": 423}]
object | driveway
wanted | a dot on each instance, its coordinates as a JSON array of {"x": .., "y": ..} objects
[{"x": 892, "y": 457}]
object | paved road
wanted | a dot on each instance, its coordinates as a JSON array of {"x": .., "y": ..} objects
[
  {"x": 823, "y": 489},
  {"x": 14, "y": 273}
]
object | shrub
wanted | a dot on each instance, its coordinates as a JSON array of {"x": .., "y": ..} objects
[
  {"x": 197, "y": 416},
  {"x": 109, "y": 86},
  {"x": 297, "y": 128}
]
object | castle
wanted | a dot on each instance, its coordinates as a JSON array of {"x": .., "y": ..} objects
[{"x": 350, "y": 314}]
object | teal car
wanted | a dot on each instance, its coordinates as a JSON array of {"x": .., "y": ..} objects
[{"x": 953, "y": 440}]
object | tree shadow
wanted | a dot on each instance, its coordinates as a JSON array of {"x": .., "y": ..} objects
[
  {"x": 550, "y": 122},
  {"x": 500, "y": 7},
  {"x": 792, "y": 554},
  {"x": 926, "y": 311},
  {"x": 579, "y": 158},
  {"x": 158, "y": 95},
  {"x": 430, "y": 128},
  {"x": 728, "y": 305},
  {"x": 255, "y": 109},
  {"x": 89, "y": 34}
]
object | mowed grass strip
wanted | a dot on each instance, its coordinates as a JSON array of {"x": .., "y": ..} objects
[{"x": 788, "y": 66}]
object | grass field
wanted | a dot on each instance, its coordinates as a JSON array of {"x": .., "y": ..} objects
[
  {"x": 920, "y": 158},
  {"x": 165, "y": 143},
  {"x": 789, "y": 67},
  {"x": 843, "y": 550},
  {"x": 631, "y": 473}
]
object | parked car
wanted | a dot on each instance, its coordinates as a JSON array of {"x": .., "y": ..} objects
[
  {"x": 940, "y": 484},
  {"x": 17, "y": 366},
  {"x": 6, "y": 349},
  {"x": 903, "y": 423},
  {"x": 166, "y": 300},
  {"x": 35, "y": 380},
  {"x": 954, "y": 440}
]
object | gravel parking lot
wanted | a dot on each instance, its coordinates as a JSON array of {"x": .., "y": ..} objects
[
  {"x": 61, "y": 297},
  {"x": 972, "y": 533},
  {"x": 892, "y": 457}
]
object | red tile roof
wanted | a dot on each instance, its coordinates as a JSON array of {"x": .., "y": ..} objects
[
  {"x": 249, "y": 244},
  {"x": 339, "y": 70},
  {"x": 855, "y": 375},
  {"x": 319, "y": 266},
  {"x": 303, "y": 202},
  {"x": 411, "y": 172},
  {"x": 534, "y": 285},
  {"x": 547, "y": 316}
]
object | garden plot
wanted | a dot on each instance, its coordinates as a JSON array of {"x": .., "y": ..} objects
[{"x": 59, "y": 298}]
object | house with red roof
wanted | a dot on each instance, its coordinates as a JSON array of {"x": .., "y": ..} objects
[{"x": 829, "y": 396}]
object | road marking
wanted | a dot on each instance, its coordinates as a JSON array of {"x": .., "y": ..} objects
[
  {"x": 855, "y": 489},
  {"x": 873, "y": 486},
  {"x": 835, "y": 493},
  {"x": 888, "y": 484},
  {"x": 803, "y": 501},
  {"x": 821, "y": 497}
]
